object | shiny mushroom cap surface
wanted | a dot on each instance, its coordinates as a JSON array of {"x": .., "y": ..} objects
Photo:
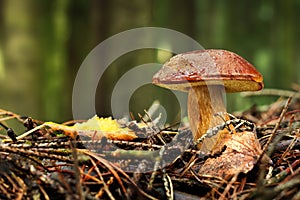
[{"x": 209, "y": 67}]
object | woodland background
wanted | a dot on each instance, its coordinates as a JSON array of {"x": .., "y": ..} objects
[{"x": 43, "y": 43}]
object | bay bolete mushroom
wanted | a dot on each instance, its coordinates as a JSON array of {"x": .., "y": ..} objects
[{"x": 206, "y": 75}]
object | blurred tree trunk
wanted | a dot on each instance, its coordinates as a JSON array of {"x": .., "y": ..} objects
[
  {"x": 2, "y": 67},
  {"x": 56, "y": 87},
  {"x": 121, "y": 16},
  {"x": 284, "y": 45},
  {"x": 43, "y": 44},
  {"x": 21, "y": 57}
]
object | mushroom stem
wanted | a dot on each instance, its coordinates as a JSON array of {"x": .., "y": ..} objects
[{"x": 203, "y": 103}]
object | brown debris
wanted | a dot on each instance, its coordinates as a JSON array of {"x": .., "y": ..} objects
[
  {"x": 240, "y": 155},
  {"x": 50, "y": 165}
]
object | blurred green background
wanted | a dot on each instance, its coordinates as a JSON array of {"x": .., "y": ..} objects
[{"x": 43, "y": 43}]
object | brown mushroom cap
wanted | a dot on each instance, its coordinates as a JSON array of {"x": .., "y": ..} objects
[{"x": 209, "y": 67}]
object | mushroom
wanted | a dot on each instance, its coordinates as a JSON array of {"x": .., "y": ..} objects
[{"x": 206, "y": 75}]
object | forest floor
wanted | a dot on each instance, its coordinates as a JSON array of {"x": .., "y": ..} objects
[{"x": 52, "y": 161}]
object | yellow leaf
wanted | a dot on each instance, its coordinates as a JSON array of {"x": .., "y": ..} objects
[{"x": 109, "y": 127}]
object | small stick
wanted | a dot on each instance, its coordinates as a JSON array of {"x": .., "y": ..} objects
[
  {"x": 271, "y": 92},
  {"x": 273, "y": 134},
  {"x": 228, "y": 186},
  {"x": 153, "y": 108},
  {"x": 10, "y": 132},
  {"x": 30, "y": 131},
  {"x": 52, "y": 125},
  {"x": 7, "y": 118}
]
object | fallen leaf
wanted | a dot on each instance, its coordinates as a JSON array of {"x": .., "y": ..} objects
[
  {"x": 241, "y": 153},
  {"x": 96, "y": 128}
]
